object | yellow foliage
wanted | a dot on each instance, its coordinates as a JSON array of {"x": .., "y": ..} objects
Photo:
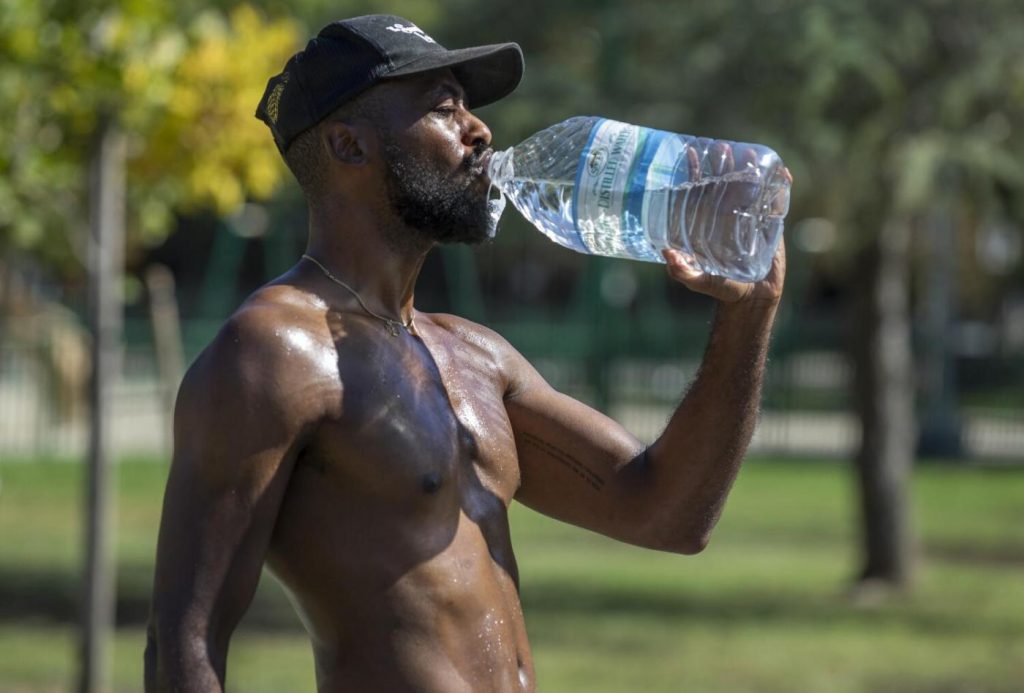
[
  {"x": 206, "y": 133},
  {"x": 184, "y": 95}
]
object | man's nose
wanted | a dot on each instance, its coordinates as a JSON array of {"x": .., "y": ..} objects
[{"x": 476, "y": 132}]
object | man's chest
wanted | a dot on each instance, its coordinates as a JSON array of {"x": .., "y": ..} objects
[{"x": 420, "y": 418}]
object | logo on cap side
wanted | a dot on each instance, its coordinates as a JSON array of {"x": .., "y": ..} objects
[
  {"x": 411, "y": 29},
  {"x": 274, "y": 101}
]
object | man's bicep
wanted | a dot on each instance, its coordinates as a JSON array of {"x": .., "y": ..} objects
[
  {"x": 214, "y": 533},
  {"x": 576, "y": 464}
]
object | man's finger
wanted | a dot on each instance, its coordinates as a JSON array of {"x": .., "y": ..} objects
[
  {"x": 680, "y": 266},
  {"x": 693, "y": 163},
  {"x": 747, "y": 158},
  {"x": 683, "y": 270},
  {"x": 721, "y": 158}
]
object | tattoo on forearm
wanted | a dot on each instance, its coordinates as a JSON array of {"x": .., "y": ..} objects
[{"x": 578, "y": 468}]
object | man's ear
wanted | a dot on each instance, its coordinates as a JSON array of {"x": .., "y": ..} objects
[{"x": 347, "y": 142}]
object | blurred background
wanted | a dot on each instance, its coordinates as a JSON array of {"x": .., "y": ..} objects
[{"x": 873, "y": 542}]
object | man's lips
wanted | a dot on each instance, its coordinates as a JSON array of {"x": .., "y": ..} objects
[{"x": 478, "y": 164}]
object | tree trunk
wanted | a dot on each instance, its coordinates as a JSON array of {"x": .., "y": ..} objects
[
  {"x": 106, "y": 271},
  {"x": 170, "y": 353},
  {"x": 883, "y": 363}
]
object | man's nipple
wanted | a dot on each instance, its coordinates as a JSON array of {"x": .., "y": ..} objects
[{"x": 431, "y": 482}]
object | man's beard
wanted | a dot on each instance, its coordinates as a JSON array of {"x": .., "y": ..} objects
[{"x": 438, "y": 207}]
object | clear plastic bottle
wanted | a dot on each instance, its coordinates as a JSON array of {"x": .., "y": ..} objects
[{"x": 603, "y": 187}]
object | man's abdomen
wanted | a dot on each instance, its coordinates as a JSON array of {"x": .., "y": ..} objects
[{"x": 409, "y": 599}]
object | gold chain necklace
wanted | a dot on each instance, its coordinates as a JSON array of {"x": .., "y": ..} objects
[{"x": 393, "y": 325}]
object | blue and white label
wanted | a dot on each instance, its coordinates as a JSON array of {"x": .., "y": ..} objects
[{"x": 614, "y": 210}]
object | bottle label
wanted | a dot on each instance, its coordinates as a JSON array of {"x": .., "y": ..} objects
[{"x": 624, "y": 185}]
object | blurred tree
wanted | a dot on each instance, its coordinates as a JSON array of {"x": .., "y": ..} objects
[
  {"x": 898, "y": 100},
  {"x": 182, "y": 89}
]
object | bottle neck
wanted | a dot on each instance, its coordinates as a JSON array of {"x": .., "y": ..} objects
[{"x": 500, "y": 169}]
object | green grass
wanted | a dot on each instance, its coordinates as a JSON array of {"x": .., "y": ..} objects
[{"x": 762, "y": 609}]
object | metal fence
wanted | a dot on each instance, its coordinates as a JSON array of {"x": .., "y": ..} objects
[{"x": 44, "y": 375}]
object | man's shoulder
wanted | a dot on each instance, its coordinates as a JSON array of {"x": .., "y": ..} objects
[
  {"x": 502, "y": 355},
  {"x": 246, "y": 396},
  {"x": 281, "y": 303},
  {"x": 470, "y": 332},
  {"x": 269, "y": 321},
  {"x": 263, "y": 348}
]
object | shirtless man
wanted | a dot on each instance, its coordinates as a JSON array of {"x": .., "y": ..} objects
[{"x": 367, "y": 452}]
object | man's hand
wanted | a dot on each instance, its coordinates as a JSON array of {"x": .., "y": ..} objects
[
  {"x": 721, "y": 160},
  {"x": 725, "y": 290}
]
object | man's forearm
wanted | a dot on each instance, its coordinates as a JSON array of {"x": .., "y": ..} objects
[
  {"x": 182, "y": 668},
  {"x": 695, "y": 461}
]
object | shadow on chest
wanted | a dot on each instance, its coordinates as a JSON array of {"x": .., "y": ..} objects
[
  {"x": 421, "y": 445},
  {"x": 417, "y": 415}
]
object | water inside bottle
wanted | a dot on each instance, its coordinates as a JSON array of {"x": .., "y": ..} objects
[
  {"x": 734, "y": 222},
  {"x": 729, "y": 223},
  {"x": 731, "y": 231}
]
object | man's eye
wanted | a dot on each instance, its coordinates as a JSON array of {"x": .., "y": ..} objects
[{"x": 446, "y": 110}]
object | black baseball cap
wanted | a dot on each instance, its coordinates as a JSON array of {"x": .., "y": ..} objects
[{"x": 351, "y": 55}]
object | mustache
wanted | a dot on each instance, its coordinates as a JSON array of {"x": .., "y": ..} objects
[{"x": 475, "y": 160}]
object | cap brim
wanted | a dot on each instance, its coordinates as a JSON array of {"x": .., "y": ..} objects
[{"x": 486, "y": 73}]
